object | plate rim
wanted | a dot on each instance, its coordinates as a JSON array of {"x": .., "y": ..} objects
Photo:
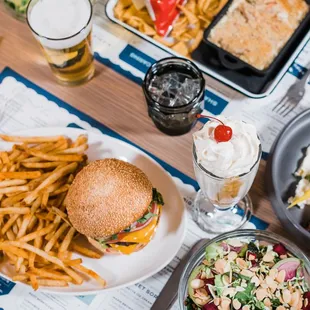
[
  {"x": 183, "y": 222},
  {"x": 269, "y": 177}
]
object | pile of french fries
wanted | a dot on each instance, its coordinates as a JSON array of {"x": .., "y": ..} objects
[{"x": 36, "y": 236}]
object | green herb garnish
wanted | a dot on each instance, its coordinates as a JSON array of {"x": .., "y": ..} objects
[
  {"x": 157, "y": 197},
  {"x": 307, "y": 177},
  {"x": 146, "y": 217},
  {"x": 246, "y": 296}
]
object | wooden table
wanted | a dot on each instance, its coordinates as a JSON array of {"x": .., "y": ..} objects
[{"x": 114, "y": 101}]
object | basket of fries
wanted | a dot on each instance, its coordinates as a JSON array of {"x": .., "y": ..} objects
[
  {"x": 37, "y": 241},
  {"x": 187, "y": 30}
]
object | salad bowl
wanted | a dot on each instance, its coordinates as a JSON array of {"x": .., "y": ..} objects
[{"x": 246, "y": 269}]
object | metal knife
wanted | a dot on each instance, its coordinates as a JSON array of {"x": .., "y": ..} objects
[{"x": 169, "y": 293}]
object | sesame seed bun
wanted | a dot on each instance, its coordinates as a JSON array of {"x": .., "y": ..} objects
[{"x": 107, "y": 196}]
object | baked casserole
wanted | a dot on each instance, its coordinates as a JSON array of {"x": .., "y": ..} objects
[{"x": 255, "y": 31}]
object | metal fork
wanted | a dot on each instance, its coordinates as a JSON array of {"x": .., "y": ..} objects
[{"x": 293, "y": 96}]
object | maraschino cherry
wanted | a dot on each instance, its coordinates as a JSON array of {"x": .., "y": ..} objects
[{"x": 222, "y": 133}]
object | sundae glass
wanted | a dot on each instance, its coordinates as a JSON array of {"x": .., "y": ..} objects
[{"x": 226, "y": 155}]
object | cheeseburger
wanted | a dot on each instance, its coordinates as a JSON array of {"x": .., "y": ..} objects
[{"x": 114, "y": 204}]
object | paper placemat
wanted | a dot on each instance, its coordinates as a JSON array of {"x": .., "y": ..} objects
[
  {"x": 25, "y": 105},
  {"x": 131, "y": 56}
]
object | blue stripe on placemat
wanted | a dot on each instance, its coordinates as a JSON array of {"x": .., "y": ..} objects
[
  {"x": 118, "y": 69},
  {"x": 104, "y": 129}
]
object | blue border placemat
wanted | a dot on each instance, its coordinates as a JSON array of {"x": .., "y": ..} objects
[{"x": 104, "y": 129}]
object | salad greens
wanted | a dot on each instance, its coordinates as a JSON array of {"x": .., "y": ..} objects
[{"x": 248, "y": 275}]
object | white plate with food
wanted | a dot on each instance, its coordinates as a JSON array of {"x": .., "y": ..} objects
[{"x": 91, "y": 210}]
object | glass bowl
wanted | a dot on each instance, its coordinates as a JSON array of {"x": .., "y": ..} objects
[{"x": 251, "y": 234}]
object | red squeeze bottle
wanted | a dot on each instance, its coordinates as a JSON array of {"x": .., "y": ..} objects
[{"x": 165, "y": 12}]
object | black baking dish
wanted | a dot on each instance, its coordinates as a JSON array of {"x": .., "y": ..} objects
[{"x": 232, "y": 62}]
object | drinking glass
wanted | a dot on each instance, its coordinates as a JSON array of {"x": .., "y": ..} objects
[
  {"x": 170, "y": 118},
  {"x": 222, "y": 204},
  {"x": 69, "y": 57}
]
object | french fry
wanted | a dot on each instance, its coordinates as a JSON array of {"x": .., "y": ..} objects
[
  {"x": 65, "y": 243},
  {"x": 30, "y": 139},
  {"x": 92, "y": 274},
  {"x": 4, "y": 157},
  {"x": 42, "y": 165},
  {"x": 57, "y": 234},
  {"x": 10, "y": 235},
  {"x": 75, "y": 277},
  {"x": 14, "y": 189},
  {"x": 14, "y": 250},
  {"x": 9, "y": 223},
  {"x": 50, "y": 180},
  {"x": 50, "y": 274},
  {"x": 15, "y": 210},
  {"x": 73, "y": 262},
  {"x": 20, "y": 277},
  {"x": 81, "y": 139},
  {"x": 18, "y": 263},
  {"x": 35, "y": 250},
  {"x": 84, "y": 251},
  {"x": 36, "y": 205},
  {"x": 24, "y": 226},
  {"x": 47, "y": 282},
  {"x": 14, "y": 155},
  {"x": 13, "y": 199},
  {"x": 20, "y": 175},
  {"x": 75, "y": 150},
  {"x": 37, "y": 243},
  {"x": 32, "y": 223},
  {"x": 38, "y": 233},
  {"x": 51, "y": 157},
  {"x": 15, "y": 182},
  {"x": 34, "y": 282},
  {"x": 15, "y": 229},
  {"x": 44, "y": 200},
  {"x": 60, "y": 190}
]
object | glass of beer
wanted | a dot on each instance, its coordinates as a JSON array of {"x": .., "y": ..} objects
[{"x": 63, "y": 29}]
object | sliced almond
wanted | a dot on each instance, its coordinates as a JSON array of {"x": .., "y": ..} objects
[
  {"x": 295, "y": 299},
  {"x": 256, "y": 281},
  {"x": 226, "y": 280},
  {"x": 220, "y": 265},
  {"x": 268, "y": 257},
  {"x": 236, "y": 304},
  {"x": 247, "y": 273},
  {"x": 225, "y": 303},
  {"x": 232, "y": 256},
  {"x": 235, "y": 242},
  {"x": 273, "y": 273},
  {"x": 281, "y": 276},
  {"x": 217, "y": 301},
  {"x": 241, "y": 263},
  {"x": 230, "y": 291},
  {"x": 287, "y": 296},
  {"x": 280, "y": 308},
  {"x": 245, "y": 308},
  {"x": 267, "y": 302},
  {"x": 197, "y": 283},
  {"x": 261, "y": 293}
]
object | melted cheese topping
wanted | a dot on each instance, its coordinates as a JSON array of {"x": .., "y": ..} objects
[{"x": 143, "y": 236}]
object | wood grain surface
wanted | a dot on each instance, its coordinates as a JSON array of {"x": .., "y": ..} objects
[{"x": 114, "y": 101}]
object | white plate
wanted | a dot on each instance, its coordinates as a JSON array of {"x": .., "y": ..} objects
[
  {"x": 268, "y": 89},
  {"x": 122, "y": 270}
]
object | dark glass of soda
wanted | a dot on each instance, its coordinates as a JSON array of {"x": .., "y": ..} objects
[{"x": 174, "y": 91}]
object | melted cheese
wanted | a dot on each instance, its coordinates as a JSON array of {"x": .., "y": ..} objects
[
  {"x": 143, "y": 236},
  {"x": 124, "y": 249}
]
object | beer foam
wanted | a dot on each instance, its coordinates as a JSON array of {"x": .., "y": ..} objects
[{"x": 57, "y": 23}]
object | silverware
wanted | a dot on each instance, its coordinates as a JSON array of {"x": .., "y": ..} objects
[
  {"x": 169, "y": 293},
  {"x": 293, "y": 96}
]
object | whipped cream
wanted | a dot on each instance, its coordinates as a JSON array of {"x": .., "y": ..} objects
[{"x": 231, "y": 158}]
